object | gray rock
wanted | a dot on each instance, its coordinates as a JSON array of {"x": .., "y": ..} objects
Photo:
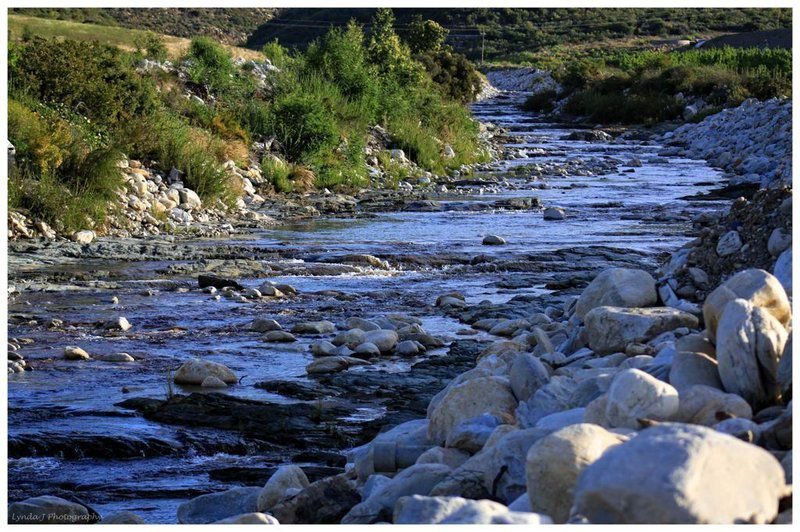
[
  {"x": 493, "y": 240},
  {"x": 750, "y": 342},
  {"x": 324, "y": 502},
  {"x": 610, "y": 329},
  {"x": 408, "y": 348},
  {"x": 681, "y": 474},
  {"x": 415, "y": 480},
  {"x": 48, "y": 510},
  {"x": 689, "y": 369},
  {"x": 275, "y": 490},
  {"x": 756, "y": 286},
  {"x": 263, "y": 325},
  {"x": 254, "y": 518},
  {"x": 468, "y": 399},
  {"x": 195, "y": 371},
  {"x": 360, "y": 323},
  {"x": 554, "y": 214},
  {"x": 351, "y": 338},
  {"x": 527, "y": 374},
  {"x": 471, "y": 434},
  {"x": 322, "y": 348},
  {"x": 368, "y": 349},
  {"x": 314, "y": 327},
  {"x": 214, "y": 507},
  {"x": 384, "y": 339},
  {"x": 72, "y": 352},
  {"x": 123, "y": 517},
  {"x": 618, "y": 287},
  {"x": 279, "y": 336},
  {"x": 560, "y": 420},
  {"x": 704, "y": 405},
  {"x": 634, "y": 395},
  {"x": 783, "y": 270},
  {"x": 779, "y": 240},
  {"x": 554, "y": 463},
  {"x": 729, "y": 243}
]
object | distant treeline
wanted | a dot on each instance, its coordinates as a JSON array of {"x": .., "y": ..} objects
[{"x": 500, "y": 34}]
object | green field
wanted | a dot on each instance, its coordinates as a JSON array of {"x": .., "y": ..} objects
[{"x": 111, "y": 35}]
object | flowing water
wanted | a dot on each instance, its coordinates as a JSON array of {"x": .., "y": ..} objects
[{"x": 641, "y": 210}]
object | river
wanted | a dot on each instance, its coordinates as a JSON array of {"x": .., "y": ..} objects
[{"x": 67, "y": 433}]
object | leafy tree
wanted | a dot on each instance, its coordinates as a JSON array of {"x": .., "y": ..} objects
[
  {"x": 426, "y": 36},
  {"x": 151, "y": 45},
  {"x": 388, "y": 52}
]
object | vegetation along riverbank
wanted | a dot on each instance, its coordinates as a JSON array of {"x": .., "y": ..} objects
[{"x": 351, "y": 276}]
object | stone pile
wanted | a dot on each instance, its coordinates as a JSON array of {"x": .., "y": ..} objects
[{"x": 752, "y": 141}]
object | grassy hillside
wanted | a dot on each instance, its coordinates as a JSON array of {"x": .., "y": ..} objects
[
  {"x": 226, "y": 25},
  {"x": 511, "y": 34},
  {"x": 123, "y": 38}
]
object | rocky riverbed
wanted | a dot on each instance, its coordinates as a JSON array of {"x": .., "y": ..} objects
[{"x": 515, "y": 345}]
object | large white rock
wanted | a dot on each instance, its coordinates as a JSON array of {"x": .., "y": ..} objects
[
  {"x": 419, "y": 510},
  {"x": 47, "y": 510},
  {"x": 554, "y": 463},
  {"x": 83, "y": 237},
  {"x": 779, "y": 240},
  {"x": 758, "y": 287},
  {"x": 418, "y": 479},
  {"x": 636, "y": 395},
  {"x": 285, "y": 478},
  {"x": 618, "y": 287},
  {"x": 750, "y": 343},
  {"x": 610, "y": 329},
  {"x": 681, "y": 474},
  {"x": 195, "y": 371},
  {"x": 253, "y": 518},
  {"x": 314, "y": 327},
  {"x": 383, "y": 338},
  {"x": 471, "y": 398}
]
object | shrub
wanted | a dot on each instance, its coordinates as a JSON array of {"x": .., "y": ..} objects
[
  {"x": 277, "y": 54},
  {"x": 211, "y": 63},
  {"x": 541, "y": 102},
  {"x": 151, "y": 45},
  {"x": 454, "y": 73},
  {"x": 303, "y": 125},
  {"x": 88, "y": 78}
]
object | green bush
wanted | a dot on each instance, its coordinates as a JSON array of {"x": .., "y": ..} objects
[
  {"x": 151, "y": 45},
  {"x": 210, "y": 63},
  {"x": 426, "y": 36},
  {"x": 541, "y": 102},
  {"x": 59, "y": 177},
  {"x": 454, "y": 73},
  {"x": 303, "y": 125},
  {"x": 89, "y": 78}
]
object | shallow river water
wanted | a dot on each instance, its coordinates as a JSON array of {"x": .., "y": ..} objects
[{"x": 642, "y": 210}]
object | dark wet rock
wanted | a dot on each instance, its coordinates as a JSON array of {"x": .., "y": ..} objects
[
  {"x": 296, "y": 424},
  {"x": 217, "y": 282},
  {"x": 323, "y": 502}
]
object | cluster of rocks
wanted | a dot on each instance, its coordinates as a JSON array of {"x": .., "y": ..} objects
[
  {"x": 613, "y": 409},
  {"x": 752, "y": 141},
  {"x": 527, "y": 79}
]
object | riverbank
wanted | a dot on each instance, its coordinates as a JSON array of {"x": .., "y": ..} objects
[{"x": 506, "y": 321}]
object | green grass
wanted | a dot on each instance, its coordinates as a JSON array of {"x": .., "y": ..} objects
[
  {"x": 642, "y": 86},
  {"x": 125, "y": 38}
]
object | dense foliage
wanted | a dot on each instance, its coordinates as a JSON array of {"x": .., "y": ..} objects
[
  {"x": 643, "y": 87},
  {"x": 315, "y": 113},
  {"x": 514, "y": 33}
]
